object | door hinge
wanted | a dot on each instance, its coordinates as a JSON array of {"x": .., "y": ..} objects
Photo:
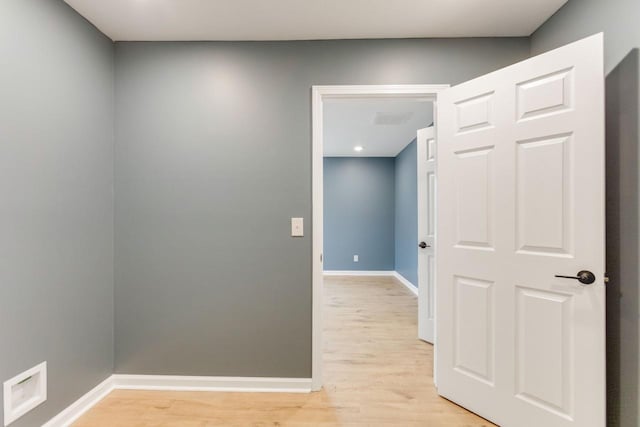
[
  {"x": 320, "y": 257},
  {"x": 606, "y": 278}
]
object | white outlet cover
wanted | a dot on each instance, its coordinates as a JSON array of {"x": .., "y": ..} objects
[
  {"x": 24, "y": 392},
  {"x": 356, "y": 258}
]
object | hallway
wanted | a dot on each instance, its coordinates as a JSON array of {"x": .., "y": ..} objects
[{"x": 377, "y": 373}]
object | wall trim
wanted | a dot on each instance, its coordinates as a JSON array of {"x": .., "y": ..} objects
[
  {"x": 176, "y": 383},
  {"x": 226, "y": 384},
  {"x": 412, "y": 288},
  {"x": 364, "y": 273},
  {"x": 74, "y": 411},
  {"x": 358, "y": 273}
]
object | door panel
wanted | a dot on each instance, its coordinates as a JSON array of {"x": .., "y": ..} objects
[
  {"x": 545, "y": 95},
  {"x": 431, "y": 208},
  {"x": 475, "y": 113},
  {"x": 544, "y": 196},
  {"x": 474, "y": 328},
  {"x": 474, "y": 172},
  {"x": 543, "y": 321},
  {"x": 521, "y": 200}
]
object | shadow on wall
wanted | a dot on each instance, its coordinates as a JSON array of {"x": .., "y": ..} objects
[{"x": 623, "y": 356}]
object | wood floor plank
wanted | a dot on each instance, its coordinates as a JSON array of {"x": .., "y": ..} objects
[{"x": 377, "y": 373}]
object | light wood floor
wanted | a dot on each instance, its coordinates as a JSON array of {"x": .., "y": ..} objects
[{"x": 377, "y": 373}]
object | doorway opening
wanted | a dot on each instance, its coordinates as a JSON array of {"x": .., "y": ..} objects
[{"x": 338, "y": 97}]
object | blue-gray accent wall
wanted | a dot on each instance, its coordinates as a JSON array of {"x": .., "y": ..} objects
[
  {"x": 56, "y": 192},
  {"x": 406, "y": 213},
  {"x": 371, "y": 210},
  {"x": 359, "y": 197}
]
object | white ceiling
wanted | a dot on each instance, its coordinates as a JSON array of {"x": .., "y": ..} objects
[
  {"x": 384, "y": 127},
  {"x": 313, "y": 19}
]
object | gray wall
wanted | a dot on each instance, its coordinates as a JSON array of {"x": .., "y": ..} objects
[
  {"x": 213, "y": 158},
  {"x": 359, "y": 198},
  {"x": 406, "y": 215},
  {"x": 618, "y": 19},
  {"x": 56, "y": 212}
]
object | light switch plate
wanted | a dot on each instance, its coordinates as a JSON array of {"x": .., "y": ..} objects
[{"x": 297, "y": 227}]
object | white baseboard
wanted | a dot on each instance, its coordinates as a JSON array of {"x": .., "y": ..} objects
[
  {"x": 176, "y": 383},
  {"x": 227, "y": 384},
  {"x": 406, "y": 283},
  {"x": 69, "y": 415},
  {"x": 356, "y": 273},
  {"x": 400, "y": 277}
]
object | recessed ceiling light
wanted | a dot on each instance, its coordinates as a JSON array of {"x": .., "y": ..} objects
[{"x": 358, "y": 148}]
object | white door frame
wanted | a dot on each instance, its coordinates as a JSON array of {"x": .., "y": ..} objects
[{"x": 319, "y": 94}]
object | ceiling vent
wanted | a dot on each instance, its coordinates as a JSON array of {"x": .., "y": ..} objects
[{"x": 391, "y": 119}]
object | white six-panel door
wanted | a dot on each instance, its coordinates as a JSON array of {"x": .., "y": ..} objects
[
  {"x": 426, "y": 149},
  {"x": 521, "y": 200}
]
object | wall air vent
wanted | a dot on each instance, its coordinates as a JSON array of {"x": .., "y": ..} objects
[
  {"x": 24, "y": 392},
  {"x": 391, "y": 119}
]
